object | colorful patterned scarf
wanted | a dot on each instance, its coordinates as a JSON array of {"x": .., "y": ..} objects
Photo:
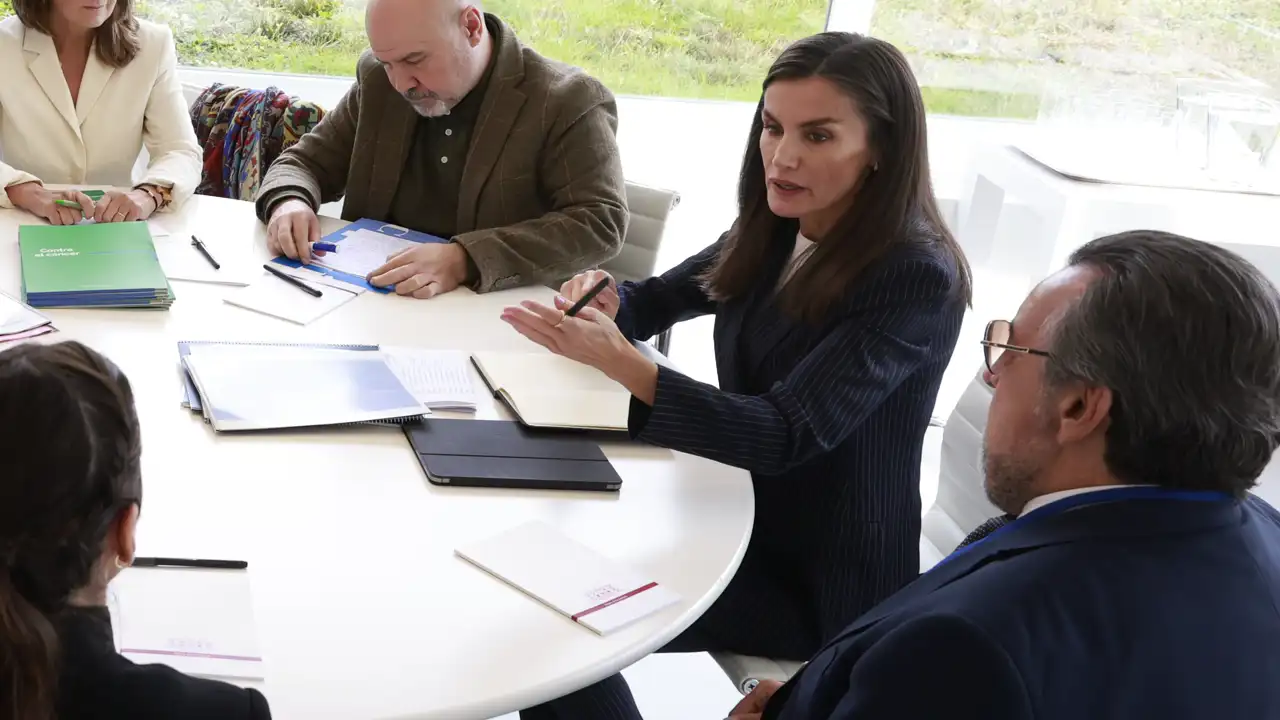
[{"x": 242, "y": 132}]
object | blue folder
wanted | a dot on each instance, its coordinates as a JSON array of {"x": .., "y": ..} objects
[{"x": 377, "y": 226}]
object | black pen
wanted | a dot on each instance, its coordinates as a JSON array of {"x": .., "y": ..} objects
[
  {"x": 591, "y": 295},
  {"x": 152, "y": 562},
  {"x": 195, "y": 242},
  {"x": 292, "y": 280}
]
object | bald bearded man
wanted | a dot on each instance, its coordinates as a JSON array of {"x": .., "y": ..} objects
[{"x": 455, "y": 128}]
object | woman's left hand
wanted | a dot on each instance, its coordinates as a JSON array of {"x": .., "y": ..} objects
[
  {"x": 589, "y": 337},
  {"x": 117, "y": 206}
]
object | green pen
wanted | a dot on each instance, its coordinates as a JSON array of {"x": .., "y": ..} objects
[{"x": 94, "y": 195}]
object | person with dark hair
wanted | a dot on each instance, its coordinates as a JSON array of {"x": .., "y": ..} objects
[
  {"x": 68, "y": 517},
  {"x": 838, "y": 295},
  {"x": 1133, "y": 576},
  {"x": 87, "y": 86}
]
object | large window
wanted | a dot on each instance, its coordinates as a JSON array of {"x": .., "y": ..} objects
[
  {"x": 1038, "y": 58},
  {"x": 1000, "y": 58},
  {"x": 686, "y": 48}
]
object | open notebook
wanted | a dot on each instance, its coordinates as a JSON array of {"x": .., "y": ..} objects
[{"x": 549, "y": 391}]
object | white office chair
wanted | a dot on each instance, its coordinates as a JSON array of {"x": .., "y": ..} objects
[
  {"x": 648, "y": 208},
  {"x": 962, "y": 503},
  {"x": 746, "y": 671},
  {"x": 191, "y": 91}
]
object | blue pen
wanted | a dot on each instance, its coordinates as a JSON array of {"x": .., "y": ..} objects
[{"x": 324, "y": 247}]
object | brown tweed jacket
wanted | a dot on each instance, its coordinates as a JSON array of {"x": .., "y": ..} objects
[{"x": 542, "y": 194}]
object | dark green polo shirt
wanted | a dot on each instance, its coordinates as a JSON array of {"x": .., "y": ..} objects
[{"x": 427, "y": 197}]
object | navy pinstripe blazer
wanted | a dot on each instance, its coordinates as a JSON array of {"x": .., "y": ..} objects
[{"x": 829, "y": 418}]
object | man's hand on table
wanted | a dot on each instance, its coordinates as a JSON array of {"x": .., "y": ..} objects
[
  {"x": 425, "y": 271},
  {"x": 292, "y": 229}
]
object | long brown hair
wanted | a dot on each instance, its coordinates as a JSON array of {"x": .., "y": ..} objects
[
  {"x": 69, "y": 465},
  {"x": 117, "y": 38},
  {"x": 895, "y": 203}
]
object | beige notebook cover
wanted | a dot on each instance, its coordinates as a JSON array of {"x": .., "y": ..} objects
[{"x": 549, "y": 391}]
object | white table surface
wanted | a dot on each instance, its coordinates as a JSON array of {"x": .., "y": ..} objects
[{"x": 363, "y": 611}]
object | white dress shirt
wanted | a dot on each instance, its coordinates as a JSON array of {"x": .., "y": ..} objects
[
  {"x": 799, "y": 254},
  {"x": 1039, "y": 502},
  {"x": 95, "y": 140}
]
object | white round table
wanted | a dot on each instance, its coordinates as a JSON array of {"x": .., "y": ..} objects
[{"x": 362, "y": 608}]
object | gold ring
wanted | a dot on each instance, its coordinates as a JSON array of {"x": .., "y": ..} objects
[{"x": 560, "y": 322}]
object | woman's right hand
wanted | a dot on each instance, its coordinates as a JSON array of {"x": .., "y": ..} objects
[
  {"x": 39, "y": 200},
  {"x": 606, "y": 302}
]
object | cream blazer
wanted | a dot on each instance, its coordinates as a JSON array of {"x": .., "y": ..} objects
[{"x": 96, "y": 141}]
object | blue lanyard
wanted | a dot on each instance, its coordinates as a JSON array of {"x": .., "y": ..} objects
[{"x": 1095, "y": 497}]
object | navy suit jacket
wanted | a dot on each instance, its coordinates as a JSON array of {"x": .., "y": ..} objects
[
  {"x": 828, "y": 417},
  {"x": 1129, "y": 610}
]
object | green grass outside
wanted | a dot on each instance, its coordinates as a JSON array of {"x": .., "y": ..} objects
[{"x": 720, "y": 49}]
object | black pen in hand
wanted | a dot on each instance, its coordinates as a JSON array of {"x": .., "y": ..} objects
[{"x": 586, "y": 299}]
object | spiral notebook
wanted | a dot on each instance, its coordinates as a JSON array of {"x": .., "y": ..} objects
[
  {"x": 191, "y": 396},
  {"x": 280, "y": 387}
]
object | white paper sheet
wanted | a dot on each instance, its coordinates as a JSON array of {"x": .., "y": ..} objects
[
  {"x": 315, "y": 277},
  {"x": 16, "y": 317},
  {"x": 362, "y": 251},
  {"x": 182, "y": 261},
  {"x": 199, "y": 622},
  {"x": 159, "y": 226},
  {"x": 439, "y": 379},
  {"x": 270, "y": 295}
]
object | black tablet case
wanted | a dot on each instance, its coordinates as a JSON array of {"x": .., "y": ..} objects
[{"x": 501, "y": 454}]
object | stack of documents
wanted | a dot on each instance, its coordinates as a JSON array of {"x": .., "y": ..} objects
[
  {"x": 438, "y": 379},
  {"x": 92, "y": 265},
  {"x": 199, "y": 622},
  {"x": 266, "y": 387},
  {"x": 19, "y": 321}
]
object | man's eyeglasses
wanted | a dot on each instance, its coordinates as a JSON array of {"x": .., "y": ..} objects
[{"x": 996, "y": 341}]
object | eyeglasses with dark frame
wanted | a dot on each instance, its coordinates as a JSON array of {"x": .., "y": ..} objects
[{"x": 996, "y": 341}]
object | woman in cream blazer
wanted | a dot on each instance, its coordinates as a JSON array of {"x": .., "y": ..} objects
[{"x": 86, "y": 85}]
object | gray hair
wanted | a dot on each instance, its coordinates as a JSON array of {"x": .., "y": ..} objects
[{"x": 1187, "y": 337}]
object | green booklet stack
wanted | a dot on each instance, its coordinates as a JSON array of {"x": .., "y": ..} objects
[{"x": 92, "y": 265}]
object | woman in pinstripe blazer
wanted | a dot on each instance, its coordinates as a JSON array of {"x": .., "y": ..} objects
[{"x": 838, "y": 296}]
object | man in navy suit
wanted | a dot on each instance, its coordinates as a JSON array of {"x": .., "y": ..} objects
[{"x": 1137, "y": 399}]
